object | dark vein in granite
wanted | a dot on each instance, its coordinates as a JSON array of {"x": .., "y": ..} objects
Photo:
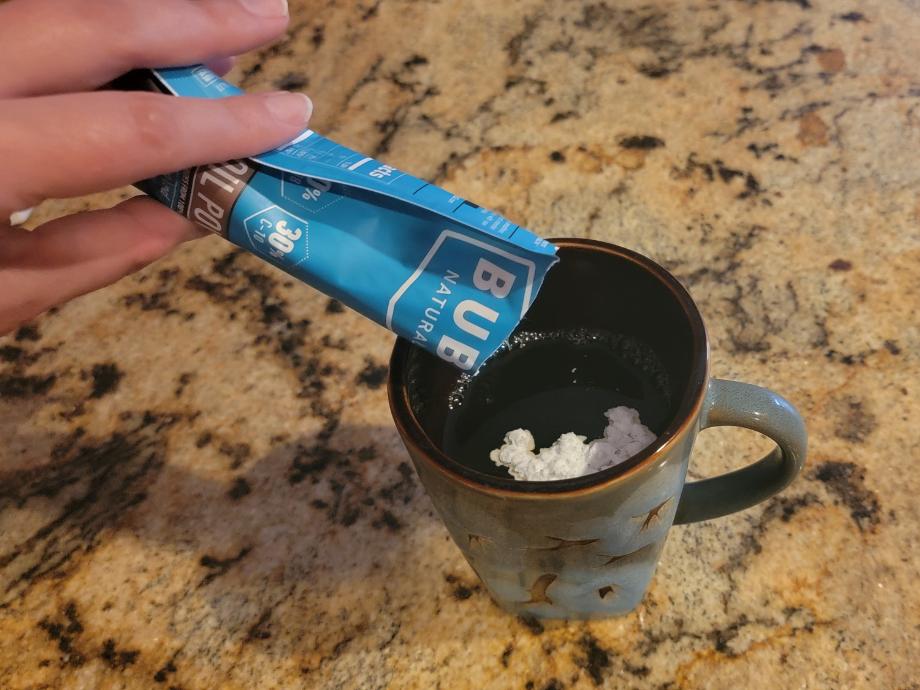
[
  {"x": 330, "y": 472},
  {"x": 405, "y": 79},
  {"x": 781, "y": 508},
  {"x": 595, "y": 659},
  {"x": 93, "y": 483},
  {"x": 118, "y": 659},
  {"x": 218, "y": 567},
  {"x": 157, "y": 299},
  {"x": 105, "y": 379},
  {"x": 65, "y": 630},
  {"x": 846, "y": 483},
  {"x": 261, "y": 629}
]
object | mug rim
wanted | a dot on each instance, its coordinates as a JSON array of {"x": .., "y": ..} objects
[{"x": 414, "y": 435}]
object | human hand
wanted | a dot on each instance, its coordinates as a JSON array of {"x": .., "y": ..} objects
[{"x": 59, "y": 138}]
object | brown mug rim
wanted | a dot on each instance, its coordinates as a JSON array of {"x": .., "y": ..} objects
[{"x": 414, "y": 435}]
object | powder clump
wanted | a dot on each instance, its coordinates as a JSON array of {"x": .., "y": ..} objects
[{"x": 570, "y": 456}]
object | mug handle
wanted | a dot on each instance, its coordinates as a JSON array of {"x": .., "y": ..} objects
[{"x": 730, "y": 403}]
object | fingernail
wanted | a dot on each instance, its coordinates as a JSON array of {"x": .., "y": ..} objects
[
  {"x": 20, "y": 217},
  {"x": 267, "y": 8},
  {"x": 293, "y": 108}
]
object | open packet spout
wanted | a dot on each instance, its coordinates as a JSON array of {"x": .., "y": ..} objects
[{"x": 441, "y": 272}]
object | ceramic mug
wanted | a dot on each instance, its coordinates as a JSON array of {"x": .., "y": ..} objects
[{"x": 587, "y": 547}]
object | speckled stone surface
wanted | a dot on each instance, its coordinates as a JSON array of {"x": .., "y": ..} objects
[{"x": 201, "y": 486}]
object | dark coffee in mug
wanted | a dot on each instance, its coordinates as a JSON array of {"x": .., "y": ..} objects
[{"x": 552, "y": 383}]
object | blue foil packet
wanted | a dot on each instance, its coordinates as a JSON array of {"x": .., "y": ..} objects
[{"x": 436, "y": 269}]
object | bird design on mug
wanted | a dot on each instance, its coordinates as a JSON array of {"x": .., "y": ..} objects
[
  {"x": 653, "y": 515},
  {"x": 538, "y": 589},
  {"x": 566, "y": 544},
  {"x": 608, "y": 591},
  {"x": 625, "y": 558}
]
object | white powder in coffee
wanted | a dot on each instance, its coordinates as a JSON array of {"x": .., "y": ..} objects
[{"x": 570, "y": 456}]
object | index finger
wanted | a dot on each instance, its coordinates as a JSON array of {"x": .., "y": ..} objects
[{"x": 108, "y": 139}]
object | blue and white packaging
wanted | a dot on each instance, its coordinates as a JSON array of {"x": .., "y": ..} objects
[{"x": 436, "y": 269}]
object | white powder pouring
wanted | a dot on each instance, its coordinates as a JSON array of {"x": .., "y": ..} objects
[{"x": 570, "y": 456}]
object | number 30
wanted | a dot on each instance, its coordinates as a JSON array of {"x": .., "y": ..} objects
[{"x": 283, "y": 237}]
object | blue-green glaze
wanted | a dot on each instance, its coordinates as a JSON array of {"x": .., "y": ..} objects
[{"x": 590, "y": 552}]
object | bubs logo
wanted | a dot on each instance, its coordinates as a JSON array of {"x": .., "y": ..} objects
[{"x": 464, "y": 298}]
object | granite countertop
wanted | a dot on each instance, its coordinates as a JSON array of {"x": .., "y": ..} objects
[{"x": 202, "y": 486}]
